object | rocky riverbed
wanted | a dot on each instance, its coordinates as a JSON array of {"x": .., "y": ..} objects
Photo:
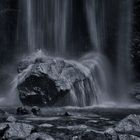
[{"x": 68, "y": 123}]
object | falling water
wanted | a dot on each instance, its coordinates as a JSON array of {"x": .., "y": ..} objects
[
  {"x": 97, "y": 23},
  {"x": 46, "y": 24},
  {"x": 124, "y": 71}
]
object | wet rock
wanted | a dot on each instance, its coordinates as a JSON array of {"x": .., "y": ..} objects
[
  {"x": 22, "y": 111},
  {"x": 54, "y": 81},
  {"x": 129, "y": 125},
  {"x": 128, "y": 137},
  {"x": 23, "y": 65},
  {"x": 36, "y": 110},
  {"x": 93, "y": 135},
  {"x": 111, "y": 134},
  {"x": 11, "y": 119},
  {"x": 11, "y": 130},
  {"x": 39, "y": 136},
  {"x": 126, "y": 129},
  {"x": 66, "y": 114}
]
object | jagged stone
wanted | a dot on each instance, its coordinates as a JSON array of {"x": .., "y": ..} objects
[{"x": 11, "y": 130}]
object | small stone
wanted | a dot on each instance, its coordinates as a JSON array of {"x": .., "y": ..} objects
[
  {"x": 11, "y": 119},
  {"x": 35, "y": 110},
  {"x": 67, "y": 114},
  {"x": 22, "y": 111}
]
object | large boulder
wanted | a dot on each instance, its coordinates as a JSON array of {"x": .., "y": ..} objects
[
  {"x": 129, "y": 125},
  {"x": 45, "y": 81},
  {"x": 126, "y": 129},
  {"x": 15, "y": 130}
]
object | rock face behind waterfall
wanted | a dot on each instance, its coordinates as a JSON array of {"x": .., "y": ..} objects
[{"x": 47, "y": 81}]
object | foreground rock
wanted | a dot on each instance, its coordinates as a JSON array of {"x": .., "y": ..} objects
[
  {"x": 129, "y": 125},
  {"x": 39, "y": 136},
  {"x": 15, "y": 130},
  {"x": 49, "y": 81},
  {"x": 127, "y": 129}
]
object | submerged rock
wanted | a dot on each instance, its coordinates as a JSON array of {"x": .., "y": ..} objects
[{"x": 49, "y": 81}]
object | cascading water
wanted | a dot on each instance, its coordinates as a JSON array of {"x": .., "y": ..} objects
[
  {"x": 46, "y": 27},
  {"x": 46, "y": 24},
  {"x": 120, "y": 73}
]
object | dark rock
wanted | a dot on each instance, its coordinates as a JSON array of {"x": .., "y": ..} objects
[
  {"x": 67, "y": 114},
  {"x": 93, "y": 135},
  {"x": 22, "y": 111},
  {"x": 49, "y": 81},
  {"x": 17, "y": 130},
  {"x": 2, "y": 131},
  {"x": 36, "y": 110}
]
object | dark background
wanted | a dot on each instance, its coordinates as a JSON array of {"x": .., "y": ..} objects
[{"x": 9, "y": 13}]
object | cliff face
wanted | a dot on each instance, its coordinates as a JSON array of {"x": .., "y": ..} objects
[{"x": 8, "y": 23}]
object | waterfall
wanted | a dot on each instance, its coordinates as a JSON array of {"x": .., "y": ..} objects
[
  {"x": 47, "y": 25},
  {"x": 96, "y": 17},
  {"x": 124, "y": 71}
]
